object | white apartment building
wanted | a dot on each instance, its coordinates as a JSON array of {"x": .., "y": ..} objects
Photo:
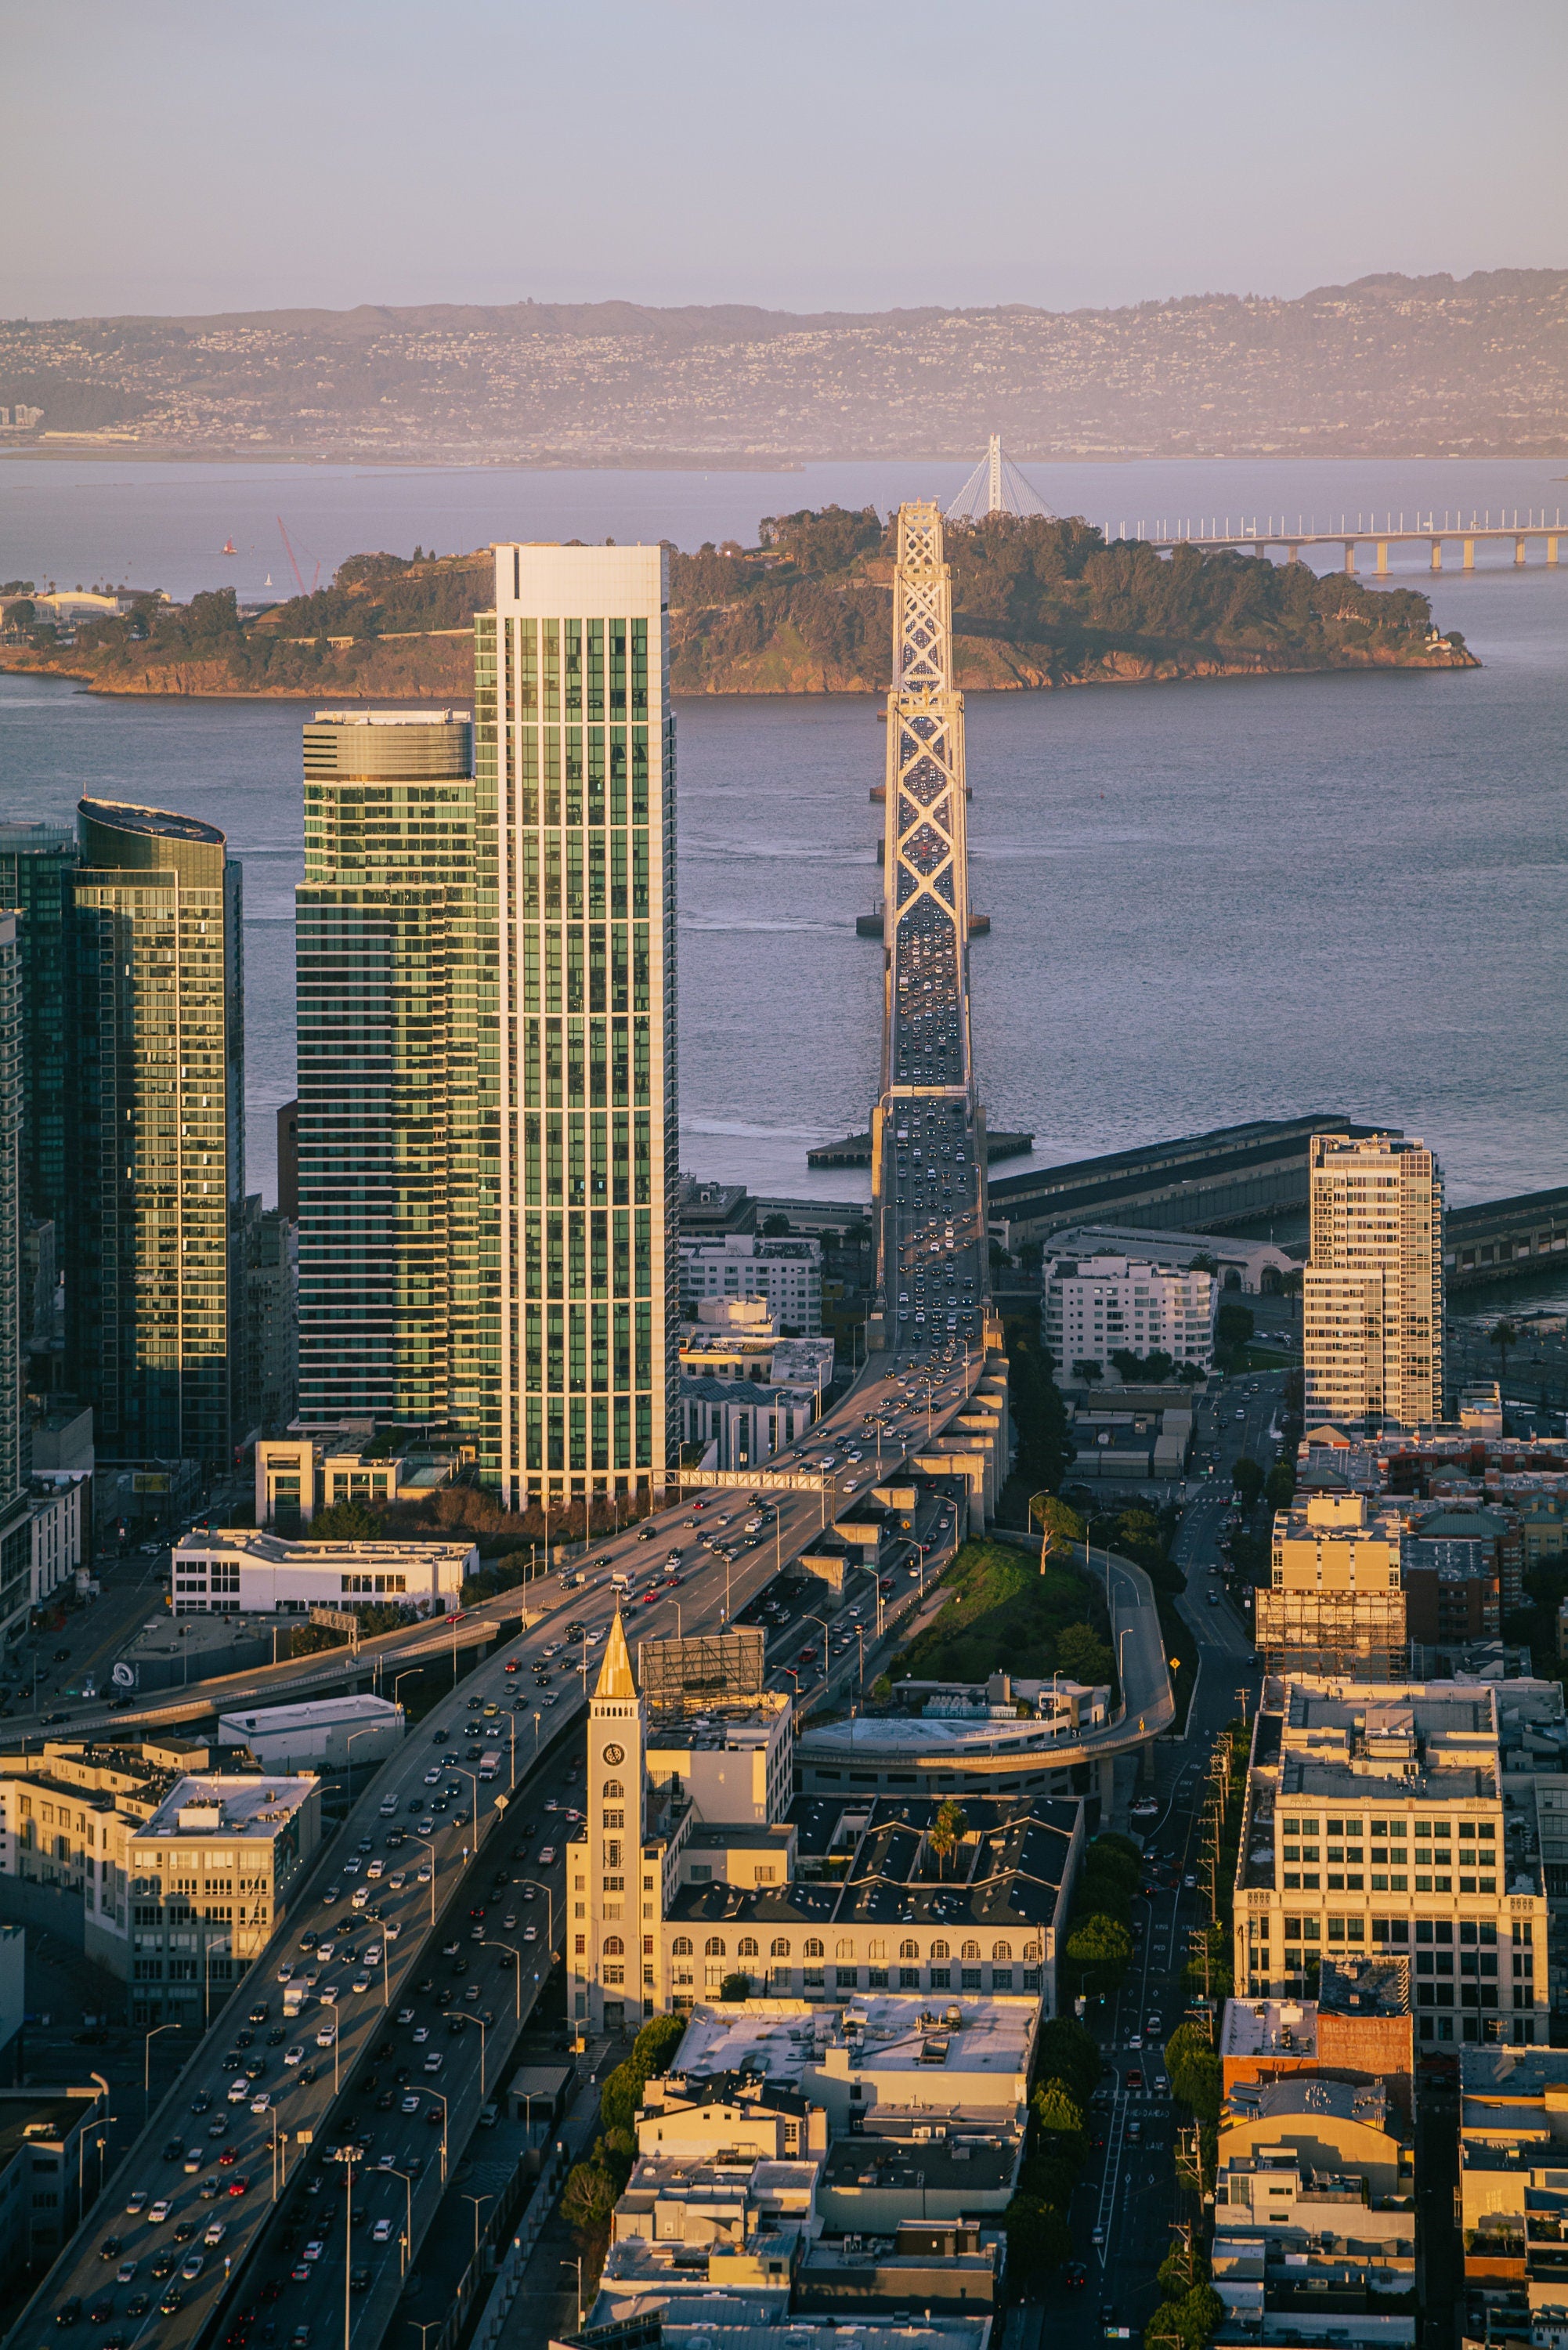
[
  {"x": 1372, "y": 1295},
  {"x": 57, "y": 1530},
  {"x": 1093, "y": 1307},
  {"x": 786, "y": 1272},
  {"x": 1377, "y": 1823},
  {"x": 241, "y": 1571},
  {"x": 742, "y": 1424}
]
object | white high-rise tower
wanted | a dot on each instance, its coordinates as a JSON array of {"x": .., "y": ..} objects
[{"x": 1372, "y": 1295}]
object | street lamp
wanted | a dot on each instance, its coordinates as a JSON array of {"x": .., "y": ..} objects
[
  {"x": 550, "y": 1893},
  {"x": 578, "y": 2264},
  {"x": 369, "y": 1732},
  {"x": 483, "y": 2045},
  {"x": 488, "y": 1945},
  {"x": 407, "y": 2243},
  {"x": 478, "y": 2201},
  {"x": 441, "y": 2102},
  {"x": 147, "y": 2068}
]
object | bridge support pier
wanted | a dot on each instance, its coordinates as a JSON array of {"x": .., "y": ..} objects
[
  {"x": 1518, "y": 550},
  {"x": 1350, "y": 556},
  {"x": 1437, "y": 555},
  {"x": 1382, "y": 559},
  {"x": 1469, "y": 561},
  {"x": 1292, "y": 553},
  {"x": 1552, "y": 552}
]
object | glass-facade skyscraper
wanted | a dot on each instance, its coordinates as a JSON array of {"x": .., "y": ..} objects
[
  {"x": 15, "y": 1510},
  {"x": 386, "y": 924},
  {"x": 35, "y": 865},
  {"x": 574, "y": 781},
  {"x": 155, "y": 1147},
  {"x": 487, "y": 1086}
]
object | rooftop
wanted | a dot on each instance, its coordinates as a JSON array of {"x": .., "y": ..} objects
[
  {"x": 124, "y": 816},
  {"x": 276, "y": 1550},
  {"x": 29, "y": 2114},
  {"x": 981, "y": 2163},
  {"x": 216, "y": 1804},
  {"x": 1300, "y": 2096},
  {"x": 777, "y": 2040},
  {"x": 1268, "y": 2027}
]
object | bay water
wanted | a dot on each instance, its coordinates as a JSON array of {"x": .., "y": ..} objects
[{"x": 1209, "y": 902}]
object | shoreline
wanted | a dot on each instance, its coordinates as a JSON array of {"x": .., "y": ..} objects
[{"x": 688, "y": 461}]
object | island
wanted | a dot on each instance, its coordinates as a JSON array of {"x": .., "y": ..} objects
[{"x": 1038, "y": 602}]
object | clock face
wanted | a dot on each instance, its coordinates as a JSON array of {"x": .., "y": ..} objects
[{"x": 614, "y": 1754}]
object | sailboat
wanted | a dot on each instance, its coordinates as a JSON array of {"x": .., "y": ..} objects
[
  {"x": 228, "y": 548},
  {"x": 267, "y": 581}
]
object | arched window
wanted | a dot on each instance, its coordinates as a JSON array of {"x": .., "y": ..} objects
[
  {"x": 614, "y": 1947},
  {"x": 908, "y": 1950},
  {"x": 612, "y": 1787},
  {"x": 681, "y": 1947},
  {"x": 1003, "y": 1952},
  {"x": 714, "y": 1947},
  {"x": 877, "y": 1953},
  {"x": 780, "y": 1947},
  {"x": 970, "y": 1950},
  {"x": 746, "y": 1948},
  {"x": 844, "y": 1947},
  {"x": 1032, "y": 1953},
  {"x": 811, "y": 1949},
  {"x": 939, "y": 1950}
]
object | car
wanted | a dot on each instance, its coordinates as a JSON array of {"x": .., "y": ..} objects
[
  {"x": 138, "y": 2202},
  {"x": 332, "y": 1893},
  {"x": 126, "y": 2272},
  {"x": 139, "y": 2304},
  {"x": 214, "y": 2232},
  {"x": 69, "y": 2310},
  {"x": 421, "y": 2035},
  {"x": 100, "y": 2313},
  {"x": 191, "y": 2268},
  {"x": 109, "y": 2249},
  {"x": 411, "y": 2105},
  {"x": 227, "y": 2159},
  {"x": 1190, "y": 1882},
  {"x": 1135, "y": 2078},
  {"x": 195, "y": 2158},
  {"x": 239, "y": 2184},
  {"x": 1137, "y": 2040},
  {"x": 300, "y": 2275},
  {"x": 433, "y": 2060},
  {"x": 547, "y": 1853},
  {"x": 381, "y": 2232},
  {"x": 219, "y": 2128},
  {"x": 1153, "y": 2027},
  {"x": 327, "y": 2036},
  {"x": 315, "y": 2249},
  {"x": 171, "y": 2302},
  {"x": 158, "y": 2212}
]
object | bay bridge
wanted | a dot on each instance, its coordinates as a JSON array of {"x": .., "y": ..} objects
[{"x": 1257, "y": 536}]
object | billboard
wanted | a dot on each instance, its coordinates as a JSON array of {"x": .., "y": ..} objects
[{"x": 713, "y": 1669}]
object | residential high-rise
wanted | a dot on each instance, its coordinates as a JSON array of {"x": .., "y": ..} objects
[
  {"x": 35, "y": 865},
  {"x": 1372, "y": 1299},
  {"x": 564, "y": 1183},
  {"x": 388, "y": 931},
  {"x": 155, "y": 1151},
  {"x": 15, "y": 1510}
]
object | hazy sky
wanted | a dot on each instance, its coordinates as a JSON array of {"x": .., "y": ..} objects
[{"x": 196, "y": 155}]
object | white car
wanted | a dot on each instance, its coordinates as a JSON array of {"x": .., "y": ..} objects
[
  {"x": 387, "y": 2162},
  {"x": 391, "y": 1932},
  {"x": 405, "y": 2015},
  {"x": 239, "y": 2091},
  {"x": 351, "y": 1866},
  {"x": 295, "y": 2055},
  {"x": 530, "y": 1931},
  {"x": 216, "y": 2233},
  {"x": 381, "y": 2234},
  {"x": 261, "y": 2101},
  {"x": 361, "y": 1896},
  {"x": 411, "y": 2105},
  {"x": 546, "y": 1854},
  {"x": 158, "y": 2212},
  {"x": 373, "y": 1954},
  {"x": 361, "y": 1983},
  {"x": 421, "y": 2035},
  {"x": 376, "y": 1868},
  {"x": 327, "y": 2036},
  {"x": 286, "y": 1972}
]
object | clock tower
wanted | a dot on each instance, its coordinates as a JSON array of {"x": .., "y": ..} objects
[{"x": 604, "y": 1861}]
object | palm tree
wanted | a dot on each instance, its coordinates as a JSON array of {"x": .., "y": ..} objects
[
  {"x": 947, "y": 1829},
  {"x": 1504, "y": 1334}
]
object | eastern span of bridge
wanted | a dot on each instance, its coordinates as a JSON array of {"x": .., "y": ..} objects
[
  {"x": 1256, "y": 536},
  {"x": 928, "y": 1130}
]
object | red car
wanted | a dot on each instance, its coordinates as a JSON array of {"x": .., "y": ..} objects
[
  {"x": 648, "y": 1597},
  {"x": 1135, "y": 2078},
  {"x": 240, "y": 2186},
  {"x": 515, "y": 1667}
]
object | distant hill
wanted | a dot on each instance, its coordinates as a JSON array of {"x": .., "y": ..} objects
[
  {"x": 1037, "y": 602},
  {"x": 1388, "y": 364}
]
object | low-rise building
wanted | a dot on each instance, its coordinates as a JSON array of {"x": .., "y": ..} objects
[
  {"x": 241, "y": 1571},
  {"x": 1294, "y": 2244},
  {"x": 1093, "y": 1307},
  {"x": 48, "y": 2177},
  {"x": 905, "y": 2059},
  {"x": 329, "y": 1733},
  {"x": 59, "y": 1528},
  {"x": 739, "y": 1423},
  {"x": 786, "y": 1272},
  {"x": 181, "y": 1872},
  {"x": 1375, "y": 1825},
  {"x": 1359, "y": 2029},
  {"x": 698, "y": 2114},
  {"x": 927, "y": 2263},
  {"x": 717, "y": 2227},
  {"x": 311, "y": 1468},
  {"x": 1513, "y": 2192},
  {"x": 741, "y": 1339},
  {"x": 1004, "y": 1737}
]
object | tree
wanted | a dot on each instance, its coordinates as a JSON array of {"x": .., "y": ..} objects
[
  {"x": 947, "y": 1831},
  {"x": 1083, "y": 1654},
  {"x": 882, "y": 1690},
  {"x": 347, "y": 1521},
  {"x": 1194, "y": 2071},
  {"x": 1504, "y": 1334},
  {"x": 1247, "y": 1477},
  {"x": 1088, "y": 1369},
  {"x": 1234, "y": 1325},
  {"x": 1101, "y": 1950},
  {"x": 1189, "y": 2320},
  {"x": 1067, "y": 2050},
  {"x": 652, "y": 2051},
  {"x": 1056, "y": 2108},
  {"x": 1280, "y": 1486},
  {"x": 1037, "y": 2239},
  {"x": 735, "y": 1987},
  {"x": 775, "y": 1227},
  {"x": 1183, "y": 2267},
  {"x": 1060, "y": 1527},
  {"x": 589, "y": 2197}
]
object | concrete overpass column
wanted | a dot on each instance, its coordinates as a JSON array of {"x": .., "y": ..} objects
[
  {"x": 1437, "y": 555},
  {"x": 1350, "y": 556}
]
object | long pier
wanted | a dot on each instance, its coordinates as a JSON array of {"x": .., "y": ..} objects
[{"x": 1257, "y": 536}]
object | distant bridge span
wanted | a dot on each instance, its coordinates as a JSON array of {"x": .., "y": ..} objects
[{"x": 1257, "y": 536}]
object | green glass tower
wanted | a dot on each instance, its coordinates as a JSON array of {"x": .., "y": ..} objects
[
  {"x": 35, "y": 865},
  {"x": 15, "y": 1510},
  {"x": 384, "y": 917},
  {"x": 155, "y": 1153}
]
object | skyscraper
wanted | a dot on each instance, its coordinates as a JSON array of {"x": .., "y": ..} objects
[
  {"x": 15, "y": 1510},
  {"x": 155, "y": 1152},
  {"x": 1372, "y": 1302},
  {"x": 386, "y": 931},
  {"x": 566, "y": 1188},
  {"x": 35, "y": 865}
]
